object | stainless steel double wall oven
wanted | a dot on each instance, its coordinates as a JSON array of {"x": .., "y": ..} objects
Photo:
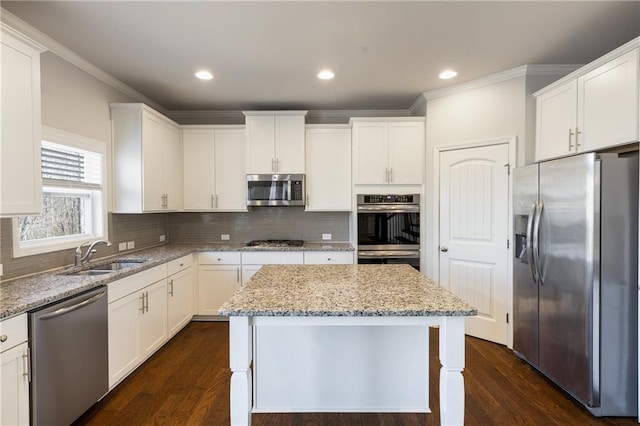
[{"x": 389, "y": 229}]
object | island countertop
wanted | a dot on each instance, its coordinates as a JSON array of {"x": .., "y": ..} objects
[{"x": 343, "y": 290}]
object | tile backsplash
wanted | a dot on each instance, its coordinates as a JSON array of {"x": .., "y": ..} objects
[
  {"x": 260, "y": 223},
  {"x": 145, "y": 230}
]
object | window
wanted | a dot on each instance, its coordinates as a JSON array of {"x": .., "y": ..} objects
[{"x": 73, "y": 207}]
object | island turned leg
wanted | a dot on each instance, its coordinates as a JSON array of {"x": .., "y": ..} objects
[
  {"x": 240, "y": 362},
  {"x": 451, "y": 380}
]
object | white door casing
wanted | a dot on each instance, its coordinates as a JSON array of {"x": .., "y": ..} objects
[{"x": 474, "y": 232}]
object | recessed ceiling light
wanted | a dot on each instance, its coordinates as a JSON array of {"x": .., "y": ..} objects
[
  {"x": 326, "y": 75},
  {"x": 204, "y": 75},
  {"x": 447, "y": 74}
]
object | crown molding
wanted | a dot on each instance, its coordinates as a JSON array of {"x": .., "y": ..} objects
[
  {"x": 499, "y": 77},
  {"x": 70, "y": 56},
  {"x": 6, "y": 29}
]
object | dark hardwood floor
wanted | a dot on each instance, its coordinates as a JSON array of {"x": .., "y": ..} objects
[{"x": 187, "y": 383}]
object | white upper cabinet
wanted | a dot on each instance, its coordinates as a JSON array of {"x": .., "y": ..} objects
[
  {"x": 147, "y": 160},
  {"x": 20, "y": 178},
  {"x": 388, "y": 151},
  {"x": 214, "y": 168},
  {"x": 328, "y": 161},
  {"x": 275, "y": 141},
  {"x": 608, "y": 104},
  {"x": 595, "y": 107}
]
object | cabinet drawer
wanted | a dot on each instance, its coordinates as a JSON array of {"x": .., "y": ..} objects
[
  {"x": 328, "y": 257},
  {"x": 14, "y": 330},
  {"x": 119, "y": 289},
  {"x": 177, "y": 265},
  {"x": 219, "y": 258},
  {"x": 273, "y": 258}
]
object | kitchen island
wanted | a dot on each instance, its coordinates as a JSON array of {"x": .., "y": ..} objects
[{"x": 343, "y": 338}]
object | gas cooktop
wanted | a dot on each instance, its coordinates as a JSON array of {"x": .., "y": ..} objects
[{"x": 275, "y": 243}]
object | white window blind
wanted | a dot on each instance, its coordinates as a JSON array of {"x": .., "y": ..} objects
[{"x": 66, "y": 166}]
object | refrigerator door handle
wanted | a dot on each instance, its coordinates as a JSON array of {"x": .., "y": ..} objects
[
  {"x": 536, "y": 241},
  {"x": 530, "y": 259}
]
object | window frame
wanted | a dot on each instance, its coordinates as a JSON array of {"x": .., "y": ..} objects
[{"x": 98, "y": 209}]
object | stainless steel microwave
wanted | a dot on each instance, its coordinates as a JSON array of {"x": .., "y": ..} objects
[{"x": 275, "y": 190}]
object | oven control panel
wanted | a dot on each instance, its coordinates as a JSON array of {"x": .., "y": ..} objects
[{"x": 389, "y": 199}]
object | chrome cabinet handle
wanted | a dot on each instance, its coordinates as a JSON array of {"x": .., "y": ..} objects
[
  {"x": 273, "y": 165},
  {"x": 570, "y": 135},
  {"x": 237, "y": 275},
  {"x": 578, "y": 132},
  {"x": 26, "y": 371},
  {"x": 444, "y": 249},
  {"x": 212, "y": 201},
  {"x": 171, "y": 288},
  {"x": 142, "y": 299},
  {"x": 277, "y": 164},
  {"x": 3, "y": 338}
]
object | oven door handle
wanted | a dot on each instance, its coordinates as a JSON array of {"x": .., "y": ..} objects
[
  {"x": 389, "y": 208},
  {"x": 411, "y": 254}
]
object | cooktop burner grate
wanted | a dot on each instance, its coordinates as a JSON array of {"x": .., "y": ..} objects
[{"x": 275, "y": 243}]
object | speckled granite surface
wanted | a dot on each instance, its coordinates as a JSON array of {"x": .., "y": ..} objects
[
  {"x": 343, "y": 290},
  {"x": 25, "y": 294}
]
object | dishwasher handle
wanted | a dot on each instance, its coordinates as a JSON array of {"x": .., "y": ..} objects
[{"x": 63, "y": 311}]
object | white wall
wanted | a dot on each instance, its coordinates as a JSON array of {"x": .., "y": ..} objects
[{"x": 74, "y": 101}]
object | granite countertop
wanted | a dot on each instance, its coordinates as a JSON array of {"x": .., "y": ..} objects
[
  {"x": 24, "y": 294},
  {"x": 343, "y": 290}
]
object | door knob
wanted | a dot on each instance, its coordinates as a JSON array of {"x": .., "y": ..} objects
[{"x": 444, "y": 249}]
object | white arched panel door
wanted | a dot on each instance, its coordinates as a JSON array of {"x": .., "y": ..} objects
[{"x": 474, "y": 215}]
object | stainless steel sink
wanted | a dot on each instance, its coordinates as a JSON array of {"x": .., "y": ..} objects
[{"x": 107, "y": 268}]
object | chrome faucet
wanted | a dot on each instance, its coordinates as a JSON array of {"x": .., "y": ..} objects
[{"x": 82, "y": 259}]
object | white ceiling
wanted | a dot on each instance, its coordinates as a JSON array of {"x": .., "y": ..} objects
[{"x": 265, "y": 55}]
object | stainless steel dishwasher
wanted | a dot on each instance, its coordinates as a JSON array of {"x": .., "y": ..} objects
[{"x": 69, "y": 349}]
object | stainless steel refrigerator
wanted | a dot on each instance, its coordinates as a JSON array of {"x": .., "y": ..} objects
[{"x": 576, "y": 277}]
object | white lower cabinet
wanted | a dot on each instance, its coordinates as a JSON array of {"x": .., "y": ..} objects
[
  {"x": 14, "y": 372},
  {"x": 218, "y": 279},
  {"x": 328, "y": 257},
  {"x": 179, "y": 294},
  {"x": 253, "y": 261},
  {"x": 137, "y": 320}
]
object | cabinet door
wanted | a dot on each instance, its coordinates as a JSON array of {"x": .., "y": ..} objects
[
  {"x": 20, "y": 179},
  {"x": 556, "y": 122},
  {"x": 153, "y": 158},
  {"x": 328, "y": 176},
  {"x": 154, "y": 318},
  {"x": 172, "y": 166},
  {"x": 406, "y": 153},
  {"x": 198, "y": 150},
  {"x": 249, "y": 271},
  {"x": 608, "y": 104},
  {"x": 14, "y": 382},
  {"x": 124, "y": 336},
  {"x": 230, "y": 177},
  {"x": 290, "y": 144},
  {"x": 180, "y": 300},
  {"x": 260, "y": 131},
  {"x": 216, "y": 285},
  {"x": 370, "y": 153}
]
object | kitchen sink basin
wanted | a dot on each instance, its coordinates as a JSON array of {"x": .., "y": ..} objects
[{"x": 107, "y": 268}]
